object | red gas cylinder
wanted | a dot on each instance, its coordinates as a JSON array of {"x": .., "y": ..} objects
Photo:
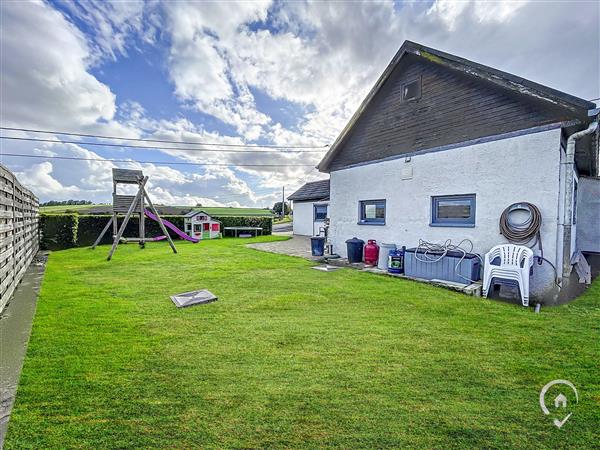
[{"x": 371, "y": 252}]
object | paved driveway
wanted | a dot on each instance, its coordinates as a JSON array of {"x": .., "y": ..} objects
[
  {"x": 296, "y": 246},
  {"x": 282, "y": 227}
]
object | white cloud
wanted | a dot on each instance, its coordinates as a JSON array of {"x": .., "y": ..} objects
[
  {"x": 199, "y": 62},
  {"x": 113, "y": 25},
  {"x": 323, "y": 57},
  {"x": 39, "y": 179},
  {"x": 455, "y": 12},
  {"x": 44, "y": 80}
]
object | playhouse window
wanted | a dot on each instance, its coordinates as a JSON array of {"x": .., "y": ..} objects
[
  {"x": 320, "y": 213},
  {"x": 453, "y": 211},
  {"x": 371, "y": 212},
  {"x": 215, "y": 227}
]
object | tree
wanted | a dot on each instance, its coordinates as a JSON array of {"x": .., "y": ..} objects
[
  {"x": 66, "y": 202},
  {"x": 277, "y": 208}
]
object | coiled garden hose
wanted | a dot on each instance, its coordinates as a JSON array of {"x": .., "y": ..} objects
[{"x": 527, "y": 230}]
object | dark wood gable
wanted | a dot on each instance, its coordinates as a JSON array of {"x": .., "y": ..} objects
[{"x": 453, "y": 107}]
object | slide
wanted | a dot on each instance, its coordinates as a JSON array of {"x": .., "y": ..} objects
[{"x": 168, "y": 224}]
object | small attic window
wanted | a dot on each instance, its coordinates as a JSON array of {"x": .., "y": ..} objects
[{"x": 411, "y": 90}]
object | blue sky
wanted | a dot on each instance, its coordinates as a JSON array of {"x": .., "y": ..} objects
[{"x": 249, "y": 72}]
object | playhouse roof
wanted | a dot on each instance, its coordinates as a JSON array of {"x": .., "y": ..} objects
[{"x": 195, "y": 212}]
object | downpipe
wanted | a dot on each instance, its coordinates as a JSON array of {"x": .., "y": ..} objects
[{"x": 569, "y": 173}]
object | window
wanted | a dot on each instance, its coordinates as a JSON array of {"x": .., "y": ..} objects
[
  {"x": 453, "y": 211},
  {"x": 320, "y": 213},
  {"x": 411, "y": 90},
  {"x": 371, "y": 212}
]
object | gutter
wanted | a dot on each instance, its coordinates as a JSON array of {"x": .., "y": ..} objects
[{"x": 569, "y": 174}]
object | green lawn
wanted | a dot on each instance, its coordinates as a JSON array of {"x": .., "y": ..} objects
[
  {"x": 61, "y": 209},
  {"x": 222, "y": 211},
  {"x": 286, "y": 219},
  {"x": 290, "y": 357},
  {"x": 211, "y": 210}
]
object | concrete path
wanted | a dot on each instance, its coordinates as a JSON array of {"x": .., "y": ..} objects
[
  {"x": 296, "y": 246},
  {"x": 282, "y": 227},
  {"x": 15, "y": 327}
]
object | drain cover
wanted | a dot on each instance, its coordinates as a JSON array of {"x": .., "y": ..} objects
[{"x": 193, "y": 298}]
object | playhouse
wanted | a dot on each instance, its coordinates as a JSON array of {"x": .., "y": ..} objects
[{"x": 200, "y": 225}]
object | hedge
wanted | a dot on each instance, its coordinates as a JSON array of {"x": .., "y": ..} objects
[
  {"x": 72, "y": 230},
  {"x": 58, "y": 231}
]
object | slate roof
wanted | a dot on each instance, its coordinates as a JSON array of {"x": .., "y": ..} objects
[
  {"x": 317, "y": 190},
  {"x": 576, "y": 106}
]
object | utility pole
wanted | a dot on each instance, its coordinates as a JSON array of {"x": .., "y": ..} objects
[{"x": 282, "y": 202}]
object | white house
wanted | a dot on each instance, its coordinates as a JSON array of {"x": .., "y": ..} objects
[
  {"x": 441, "y": 146},
  {"x": 311, "y": 208}
]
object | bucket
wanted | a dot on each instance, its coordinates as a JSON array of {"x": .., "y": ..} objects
[
  {"x": 384, "y": 253},
  {"x": 317, "y": 245}
]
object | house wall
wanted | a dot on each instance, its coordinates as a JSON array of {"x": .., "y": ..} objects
[
  {"x": 522, "y": 168},
  {"x": 588, "y": 215},
  {"x": 303, "y": 223}
]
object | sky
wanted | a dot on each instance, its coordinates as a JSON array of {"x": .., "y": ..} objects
[{"x": 260, "y": 73}]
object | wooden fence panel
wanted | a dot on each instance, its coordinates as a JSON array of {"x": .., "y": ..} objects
[{"x": 19, "y": 234}]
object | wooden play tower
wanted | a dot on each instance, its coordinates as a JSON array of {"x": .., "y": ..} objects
[{"x": 128, "y": 205}]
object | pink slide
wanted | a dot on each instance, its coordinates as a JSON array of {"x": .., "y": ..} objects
[{"x": 168, "y": 224}]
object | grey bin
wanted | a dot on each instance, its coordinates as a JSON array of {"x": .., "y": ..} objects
[
  {"x": 384, "y": 253},
  {"x": 444, "y": 269}
]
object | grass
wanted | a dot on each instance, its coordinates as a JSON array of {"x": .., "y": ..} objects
[
  {"x": 290, "y": 357},
  {"x": 236, "y": 212},
  {"x": 286, "y": 219},
  {"x": 61, "y": 209},
  {"x": 211, "y": 210}
]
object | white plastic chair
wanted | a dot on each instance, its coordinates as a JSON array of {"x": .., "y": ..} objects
[{"x": 515, "y": 263}]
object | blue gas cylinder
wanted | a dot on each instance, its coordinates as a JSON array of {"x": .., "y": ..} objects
[{"x": 396, "y": 260}]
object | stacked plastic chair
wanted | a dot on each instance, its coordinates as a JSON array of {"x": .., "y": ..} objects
[{"x": 515, "y": 264}]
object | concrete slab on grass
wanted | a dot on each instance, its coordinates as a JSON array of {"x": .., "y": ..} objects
[{"x": 193, "y": 298}]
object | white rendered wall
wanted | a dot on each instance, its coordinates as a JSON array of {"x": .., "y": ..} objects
[
  {"x": 522, "y": 168},
  {"x": 303, "y": 223}
]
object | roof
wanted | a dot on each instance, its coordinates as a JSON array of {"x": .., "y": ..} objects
[
  {"x": 577, "y": 106},
  {"x": 195, "y": 212},
  {"x": 317, "y": 190}
]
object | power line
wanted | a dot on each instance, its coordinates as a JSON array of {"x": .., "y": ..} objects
[
  {"x": 151, "y": 147},
  {"x": 98, "y": 136},
  {"x": 162, "y": 163}
]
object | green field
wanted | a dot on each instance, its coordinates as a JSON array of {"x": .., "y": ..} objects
[
  {"x": 225, "y": 211},
  {"x": 212, "y": 211},
  {"x": 290, "y": 357},
  {"x": 71, "y": 208}
]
